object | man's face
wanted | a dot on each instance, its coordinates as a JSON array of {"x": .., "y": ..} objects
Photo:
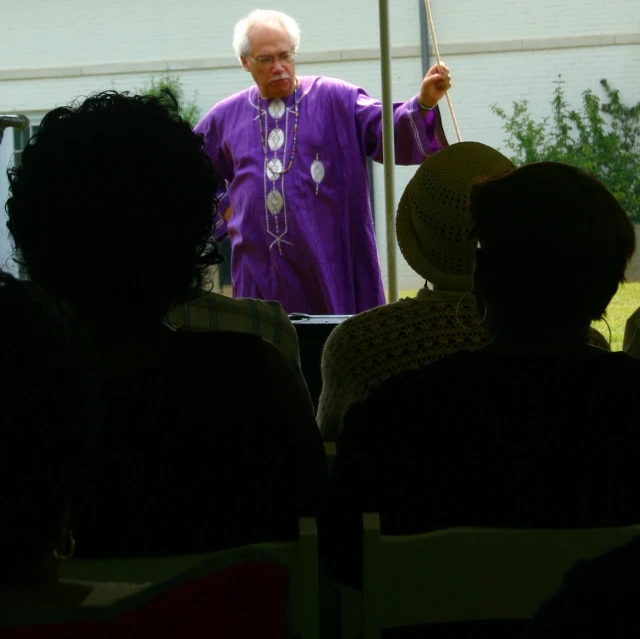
[{"x": 274, "y": 77}]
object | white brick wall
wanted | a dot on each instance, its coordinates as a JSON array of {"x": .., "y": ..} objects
[
  {"x": 51, "y": 50},
  {"x": 73, "y": 32},
  {"x": 473, "y": 21}
]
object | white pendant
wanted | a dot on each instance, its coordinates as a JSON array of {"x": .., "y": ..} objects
[
  {"x": 276, "y": 108},
  {"x": 274, "y": 169},
  {"x": 274, "y": 202},
  {"x": 317, "y": 170},
  {"x": 275, "y": 139}
]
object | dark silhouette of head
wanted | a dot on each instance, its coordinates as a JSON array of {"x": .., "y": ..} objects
[
  {"x": 553, "y": 244},
  {"x": 46, "y": 395},
  {"x": 112, "y": 207}
]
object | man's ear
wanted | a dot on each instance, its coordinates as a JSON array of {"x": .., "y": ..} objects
[{"x": 245, "y": 64}]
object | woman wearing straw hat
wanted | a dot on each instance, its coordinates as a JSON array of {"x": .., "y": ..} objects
[{"x": 433, "y": 227}]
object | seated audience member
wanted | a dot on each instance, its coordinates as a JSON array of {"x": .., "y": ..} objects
[
  {"x": 597, "y": 598},
  {"x": 209, "y": 439},
  {"x": 536, "y": 428},
  {"x": 433, "y": 226},
  {"x": 47, "y": 433},
  {"x": 631, "y": 339},
  {"x": 211, "y": 311}
]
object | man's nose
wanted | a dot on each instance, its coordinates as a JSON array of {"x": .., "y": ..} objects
[{"x": 277, "y": 65}]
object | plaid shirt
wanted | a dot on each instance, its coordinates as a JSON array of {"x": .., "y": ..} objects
[{"x": 216, "y": 312}]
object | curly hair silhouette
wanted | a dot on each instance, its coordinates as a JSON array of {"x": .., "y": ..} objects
[{"x": 112, "y": 207}]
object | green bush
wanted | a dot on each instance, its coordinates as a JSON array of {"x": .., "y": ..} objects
[
  {"x": 603, "y": 137},
  {"x": 188, "y": 110}
]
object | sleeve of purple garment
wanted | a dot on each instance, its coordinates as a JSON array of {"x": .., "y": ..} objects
[
  {"x": 417, "y": 135},
  {"x": 206, "y": 128}
]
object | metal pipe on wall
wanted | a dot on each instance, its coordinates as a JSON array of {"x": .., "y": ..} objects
[
  {"x": 388, "y": 151},
  {"x": 424, "y": 38}
]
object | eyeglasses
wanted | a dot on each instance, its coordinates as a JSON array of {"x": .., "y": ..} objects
[{"x": 265, "y": 61}]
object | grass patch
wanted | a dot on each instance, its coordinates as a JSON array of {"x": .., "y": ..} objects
[{"x": 623, "y": 304}]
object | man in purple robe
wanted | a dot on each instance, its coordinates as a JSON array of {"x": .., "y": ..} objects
[{"x": 293, "y": 154}]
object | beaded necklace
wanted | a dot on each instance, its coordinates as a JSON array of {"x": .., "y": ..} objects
[{"x": 295, "y": 131}]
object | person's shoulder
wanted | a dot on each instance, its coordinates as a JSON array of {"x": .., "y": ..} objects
[
  {"x": 186, "y": 338},
  {"x": 211, "y": 312},
  {"x": 634, "y": 318},
  {"x": 404, "y": 400},
  {"x": 351, "y": 345},
  {"x": 223, "y": 342},
  {"x": 414, "y": 383},
  {"x": 400, "y": 311},
  {"x": 274, "y": 359},
  {"x": 267, "y": 306},
  {"x": 623, "y": 360},
  {"x": 613, "y": 567},
  {"x": 388, "y": 324},
  {"x": 621, "y": 364},
  {"x": 359, "y": 324},
  {"x": 595, "y": 594},
  {"x": 261, "y": 309},
  {"x": 328, "y": 85},
  {"x": 267, "y": 312},
  {"x": 619, "y": 372}
]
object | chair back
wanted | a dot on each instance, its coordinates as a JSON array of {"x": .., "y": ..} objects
[
  {"x": 235, "y": 594},
  {"x": 469, "y": 574},
  {"x": 300, "y": 557},
  {"x": 330, "y": 454},
  {"x": 194, "y": 454}
]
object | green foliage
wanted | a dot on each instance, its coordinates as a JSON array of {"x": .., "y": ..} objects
[
  {"x": 189, "y": 111},
  {"x": 603, "y": 137}
]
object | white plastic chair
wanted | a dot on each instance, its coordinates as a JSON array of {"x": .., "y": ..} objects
[
  {"x": 464, "y": 574},
  {"x": 301, "y": 558},
  {"x": 330, "y": 453}
]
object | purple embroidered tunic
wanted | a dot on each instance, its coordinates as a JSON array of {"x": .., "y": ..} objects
[{"x": 304, "y": 236}]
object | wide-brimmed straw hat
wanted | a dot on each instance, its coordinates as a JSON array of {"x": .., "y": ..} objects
[{"x": 433, "y": 223}]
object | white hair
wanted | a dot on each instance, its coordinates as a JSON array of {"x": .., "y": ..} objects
[{"x": 259, "y": 17}]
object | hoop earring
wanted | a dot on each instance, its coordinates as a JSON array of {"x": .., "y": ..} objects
[
  {"x": 604, "y": 319},
  {"x": 171, "y": 324},
  {"x": 460, "y": 324},
  {"x": 72, "y": 548}
]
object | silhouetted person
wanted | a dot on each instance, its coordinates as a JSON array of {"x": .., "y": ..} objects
[
  {"x": 597, "y": 598},
  {"x": 47, "y": 430},
  {"x": 432, "y": 225},
  {"x": 535, "y": 429},
  {"x": 208, "y": 439}
]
